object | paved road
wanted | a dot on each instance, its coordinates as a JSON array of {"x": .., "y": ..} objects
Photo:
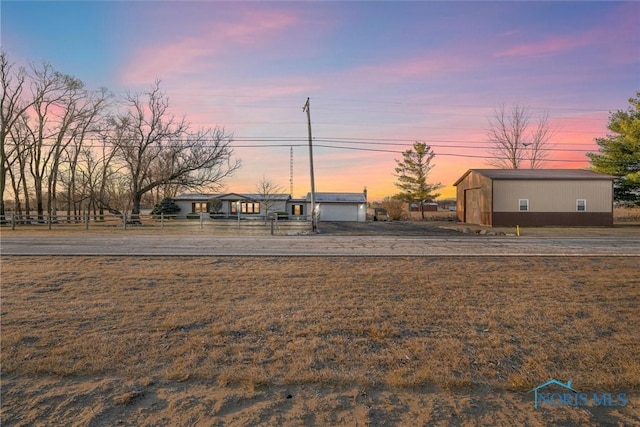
[{"x": 318, "y": 245}]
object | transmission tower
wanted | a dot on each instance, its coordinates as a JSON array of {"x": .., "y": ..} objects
[{"x": 291, "y": 170}]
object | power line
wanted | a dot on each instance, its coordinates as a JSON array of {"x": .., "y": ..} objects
[
  {"x": 595, "y": 133},
  {"x": 442, "y": 154},
  {"x": 299, "y": 142},
  {"x": 371, "y": 150},
  {"x": 359, "y": 101},
  {"x": 443, "y": 145}
]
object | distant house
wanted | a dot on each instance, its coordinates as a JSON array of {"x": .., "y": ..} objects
[
  {"x": 426, "y": 207},
  {"x": 535, "y": 197},
  {"x": 330, "y": 206}
]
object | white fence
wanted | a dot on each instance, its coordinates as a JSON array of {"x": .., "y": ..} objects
[{"x": 138, "y": 221}]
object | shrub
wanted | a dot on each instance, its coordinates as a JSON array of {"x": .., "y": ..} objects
[
  {"x": 166, "y": 206},
  {"x": 395, "y": 208}
]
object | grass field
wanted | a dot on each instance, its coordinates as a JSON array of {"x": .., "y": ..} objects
[{"x": 315, "y": 341}]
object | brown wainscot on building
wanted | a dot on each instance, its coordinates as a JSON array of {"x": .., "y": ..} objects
[{"x": 535, "y": 197}]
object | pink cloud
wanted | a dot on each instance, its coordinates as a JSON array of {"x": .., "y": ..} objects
[
  {"x": 413, "y": 68},
  {"x": 193, "y": 54},
  {"x": 621, "y": 35},
  {"x": 276, "y": 88},
  {"x": 246, "y": 108},
  {"x": 256, "y": 26},
  {"x": 547, "y": 46}
]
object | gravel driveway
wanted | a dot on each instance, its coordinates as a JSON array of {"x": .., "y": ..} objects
[{"x": 391, "y": 228}]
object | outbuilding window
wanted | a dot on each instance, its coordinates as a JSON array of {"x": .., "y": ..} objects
[
  {"x": 297, "y": 210},
  {"x": 523, "y": 205},
  {"x": 581, "y": 205}
]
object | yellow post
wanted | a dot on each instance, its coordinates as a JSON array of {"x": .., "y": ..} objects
[{"x": 518, "y": 230}]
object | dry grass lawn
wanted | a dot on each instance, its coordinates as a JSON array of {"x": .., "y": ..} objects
[{"x": 315, "y": 341}]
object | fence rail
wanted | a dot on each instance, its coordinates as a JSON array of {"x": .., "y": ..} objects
[{"x": 137, "y": 221}]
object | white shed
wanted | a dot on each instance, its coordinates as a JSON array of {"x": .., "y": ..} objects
[{"x": 340, "y": 206}]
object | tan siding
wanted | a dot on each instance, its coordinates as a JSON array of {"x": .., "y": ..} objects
[{"x": 552, "y": 196}]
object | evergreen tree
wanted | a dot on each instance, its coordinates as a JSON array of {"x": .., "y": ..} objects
[
  {"x": 619, "y": 153},
  {"x": 166, "y": 206},
  {"x": 412, "y": 172}
]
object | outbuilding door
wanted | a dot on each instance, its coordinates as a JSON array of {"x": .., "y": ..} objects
[{"x": 472, "y": 206}]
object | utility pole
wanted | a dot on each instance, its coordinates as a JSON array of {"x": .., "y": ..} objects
[{"x": 307, "y": 108}]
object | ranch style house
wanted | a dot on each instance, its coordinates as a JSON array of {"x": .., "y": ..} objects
[
  {"x": 535, "y": 197},
  {"x": 329, "y": 206}
]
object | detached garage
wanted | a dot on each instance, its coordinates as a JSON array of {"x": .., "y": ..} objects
[
  {"x": 535, "y": 197},
  {"x": 340, "y": 206}
]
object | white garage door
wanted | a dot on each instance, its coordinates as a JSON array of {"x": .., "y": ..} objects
[{"x": 338, "y": 213}]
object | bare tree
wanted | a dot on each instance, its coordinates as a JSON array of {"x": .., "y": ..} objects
[
  {"x": 514, "y": 141},
  {"x": 38, "y": 126},
  {"x": 105, "y": 169},
  {"x": 12, "y": 109},
  {"x": 46, "y": 118},
  {"x": 268, "y": 192},
  {"x": 50, "y": 124},
  {"x": 158, "y": 149},
  {"x": 17, "y": 162},
  {"x": 89, "y": 113}
]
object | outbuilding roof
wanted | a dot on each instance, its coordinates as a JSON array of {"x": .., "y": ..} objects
[
  {"x": 338, "y": 197},
  {"x": 538, "y": 174}
]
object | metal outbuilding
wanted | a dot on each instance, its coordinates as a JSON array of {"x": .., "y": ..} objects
[{"x": 535, "y": 197}]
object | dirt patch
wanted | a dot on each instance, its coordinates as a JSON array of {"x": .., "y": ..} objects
[{"x": 122, "y": 402}]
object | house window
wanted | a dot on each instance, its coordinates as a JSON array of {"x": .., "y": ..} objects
[
  {"x": 250, "y": 207},
  {"x": 297, "y": 210},
  {"x": 581, "y": 205},
  {"x": 198, "y": 207},
  {"x": 523, "y": 205}
]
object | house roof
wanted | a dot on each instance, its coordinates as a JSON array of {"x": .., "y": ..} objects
[
  {"x": 203, "y": 197},
  {"x": 195, "y": 196},
  {"x": 338, "y": 198},
  {"x": 319, "y": 197},
  {"x": 538, "y": 174}
]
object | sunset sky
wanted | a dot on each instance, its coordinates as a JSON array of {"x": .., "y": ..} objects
[{"x": 380, "y": 75}]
